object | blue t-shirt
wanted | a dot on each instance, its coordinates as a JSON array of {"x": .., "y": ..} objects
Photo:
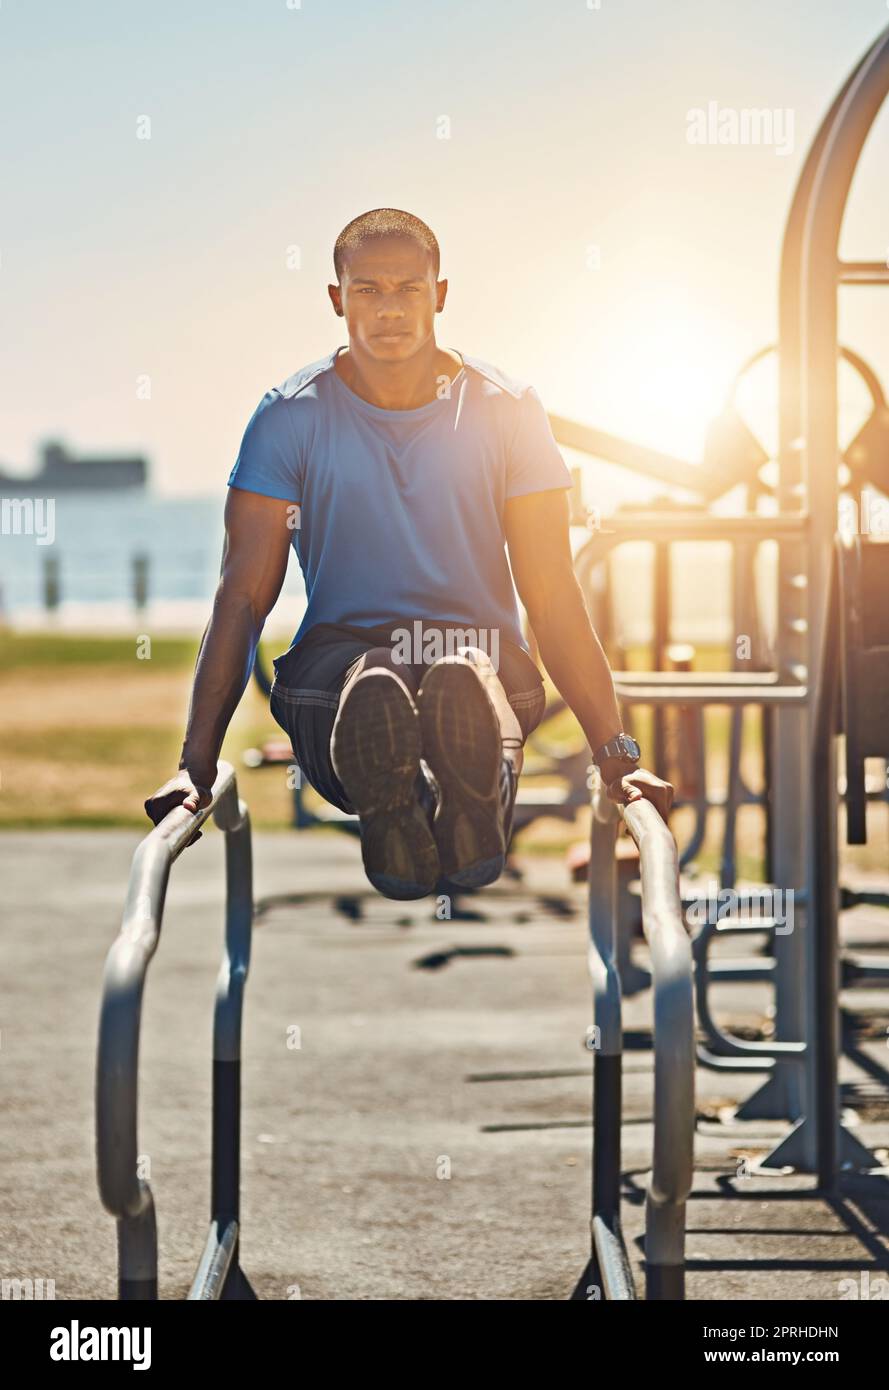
[{"x": 401, "y": 511}]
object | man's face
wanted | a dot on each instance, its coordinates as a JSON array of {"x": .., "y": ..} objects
[{"x": 389, "y": 297}]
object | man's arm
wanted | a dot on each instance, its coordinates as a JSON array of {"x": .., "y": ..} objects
[
  {"x": 537, "y": 535},
  {"x": 258, "y": 532}
]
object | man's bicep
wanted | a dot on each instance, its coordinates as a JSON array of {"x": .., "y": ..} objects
[
  {"x": 537, "y": 537},
  {"x": 258, "y": 535}
]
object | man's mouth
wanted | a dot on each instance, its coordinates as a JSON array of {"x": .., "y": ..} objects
[{"x": 399, "y": 333}]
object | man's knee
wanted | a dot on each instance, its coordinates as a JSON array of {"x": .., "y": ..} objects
[
  {"x": 477, "y": 655},
  {"x": 384, "y": 658},
  {"x": 379, "y": 656}
]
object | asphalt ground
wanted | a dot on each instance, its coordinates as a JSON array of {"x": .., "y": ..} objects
[{"x": 429, "y": 1137}]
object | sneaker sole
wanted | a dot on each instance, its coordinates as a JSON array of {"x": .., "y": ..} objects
[
  {"x": 375, "y": 751},
  {"x": 462, "y": 745}
]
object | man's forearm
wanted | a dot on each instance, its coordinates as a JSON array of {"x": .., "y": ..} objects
[
  {"x": 223, "y": 667},
  {"x": 573, "y": 657}
]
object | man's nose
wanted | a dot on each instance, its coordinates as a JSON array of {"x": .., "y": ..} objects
[{"x": 390, "y": 309}]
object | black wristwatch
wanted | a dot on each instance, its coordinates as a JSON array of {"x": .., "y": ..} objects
[{"x": 621, "y": 748}]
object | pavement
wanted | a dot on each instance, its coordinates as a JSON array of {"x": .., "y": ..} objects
[{"x": 429, "y": 1137}]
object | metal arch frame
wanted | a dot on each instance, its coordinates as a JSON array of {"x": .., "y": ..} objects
[
  {"x": 811, "y": 273},
  {"x": 125, "y": 1194}
]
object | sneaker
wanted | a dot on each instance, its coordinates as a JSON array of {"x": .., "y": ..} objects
[
  {"x": 375, "y": 751},
  {"x": 461, "y": 740}
]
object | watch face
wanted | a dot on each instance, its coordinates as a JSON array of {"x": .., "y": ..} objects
[{"x": 630, "y": 746}]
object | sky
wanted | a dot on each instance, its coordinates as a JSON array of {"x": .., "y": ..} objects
[{"x": 150, "y": 292}]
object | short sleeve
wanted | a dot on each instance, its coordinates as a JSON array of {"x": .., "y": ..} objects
[
  {"x": 534, "y": 463},
  {"x": 270, "y": 460}
]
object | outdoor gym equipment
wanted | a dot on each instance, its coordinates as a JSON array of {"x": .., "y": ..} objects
[
  {"x": 124, "y": 1192},
  {"x": 127, "y": 1195}
]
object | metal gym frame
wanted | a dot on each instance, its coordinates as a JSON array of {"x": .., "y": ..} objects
[
  {"x": 800, "y": 1085},
  {"x": 803, "y": 754}
]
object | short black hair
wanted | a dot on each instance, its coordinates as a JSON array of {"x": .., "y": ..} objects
[{"x": 381, "y": 222}]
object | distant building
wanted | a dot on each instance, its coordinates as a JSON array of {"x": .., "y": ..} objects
[{"x": 61, "y": 472}]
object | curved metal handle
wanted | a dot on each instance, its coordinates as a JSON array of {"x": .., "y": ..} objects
[{"x": 123, "y": 1192}]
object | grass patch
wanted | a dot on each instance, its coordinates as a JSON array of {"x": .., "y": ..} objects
[
  {"x": 86, "y": 748},
  {"x": 41, "y": 652}
]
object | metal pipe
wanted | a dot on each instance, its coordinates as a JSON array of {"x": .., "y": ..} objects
[
  {"x": 677, "y": 692},
  {"x": 690, "y": 679},
  {"x": 231, "y": 817},
  {"x": 824, "y": 906},
  {"x": 218, "y": 1262},
  {"x": 607, "y": 1040},
  {"x": 863, "y": 273}
]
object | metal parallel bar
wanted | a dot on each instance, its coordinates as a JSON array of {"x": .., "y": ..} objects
[
  {"x": 674, "y": 1055},
  {"x": 123, "y": 1192},
  {"x": 674, "y": 1060}
]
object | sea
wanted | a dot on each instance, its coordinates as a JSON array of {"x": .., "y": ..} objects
[{"x": 98, "y": 536}]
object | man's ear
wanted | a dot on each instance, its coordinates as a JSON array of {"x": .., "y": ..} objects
[
  {"x": 441, "y": 295},
  {"x": 336, "y": 299}
]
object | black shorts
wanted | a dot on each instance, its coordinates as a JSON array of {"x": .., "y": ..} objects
[{"x": 309, "y": 679}]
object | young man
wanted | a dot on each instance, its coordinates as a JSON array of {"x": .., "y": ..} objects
[{"x": 401, "y": 471}]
